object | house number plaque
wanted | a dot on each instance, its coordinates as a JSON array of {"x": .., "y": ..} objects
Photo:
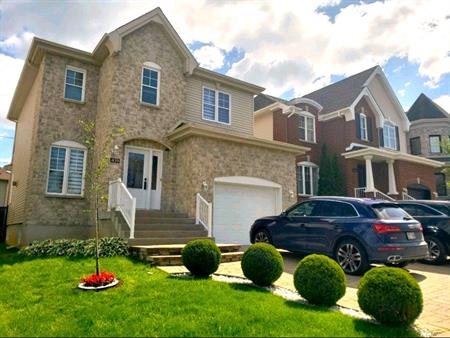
[{"x": 114, "y": 160}]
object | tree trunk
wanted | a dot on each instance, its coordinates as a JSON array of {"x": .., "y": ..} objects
[{"x": 97, "y": 268}]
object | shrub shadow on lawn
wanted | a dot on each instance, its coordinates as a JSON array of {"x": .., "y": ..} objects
[
  {"x": 374, "y": 328},
  {"x": 302, "y": 304},
  {"x": 247, "y": 288}
]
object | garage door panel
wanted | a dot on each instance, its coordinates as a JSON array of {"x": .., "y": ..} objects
[{"x": 237, "y": 206}]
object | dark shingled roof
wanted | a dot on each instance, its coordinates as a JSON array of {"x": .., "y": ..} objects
[
  {"x": 264, "y": 100},
  {"x": 340, "y": 94},
  {"x": 425, "y": 108}
]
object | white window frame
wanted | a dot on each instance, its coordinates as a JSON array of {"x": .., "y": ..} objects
[
  {"x": 83, "y": 88},
  {"x": 156, "y": 68},
  {"x": 386, "y": 144},
  {"x": 68, "y": 145},
  {"x": 308, "y": 166},
  {"x": 216, "y": 106},
  {"x": 431, "y": 145},
  {"x": 363, "y": 127},
  {"x": 306, "y": 116}
]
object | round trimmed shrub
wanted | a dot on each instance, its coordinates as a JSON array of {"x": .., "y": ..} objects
[
  {"x": 201, "y": 257},
  {"x": 262, "y": 264},
  {"x": 320, "y": 280},
  {"x": 391, "y": 295}
]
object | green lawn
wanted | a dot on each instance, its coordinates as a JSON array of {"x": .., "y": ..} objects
[{"x": 39, "y": 297}]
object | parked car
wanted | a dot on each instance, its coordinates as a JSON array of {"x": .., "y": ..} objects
[
  {"x": 354, "y": 231},
  {"x": 434, "y": 217}
]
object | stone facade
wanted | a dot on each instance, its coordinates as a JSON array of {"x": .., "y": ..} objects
[
  {"x": 112, "y": 100},
  {"x": 424, "y": 129}
]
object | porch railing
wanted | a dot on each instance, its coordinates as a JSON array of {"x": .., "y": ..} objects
[
  {"x": 361, "y": 193},
  {"x": 203, "y": 213},
  {"x": 120, "y": 199},
  {"x": 406, "y": 196}
]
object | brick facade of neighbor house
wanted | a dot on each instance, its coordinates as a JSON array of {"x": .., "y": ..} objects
[
  {"x": 113, "y": 99},
  {"x": 337, "y": 109}
]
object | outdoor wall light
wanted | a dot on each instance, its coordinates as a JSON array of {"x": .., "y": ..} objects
[
  {"x": 291, "y": 194},
  {"x": 205, "y": 186}
]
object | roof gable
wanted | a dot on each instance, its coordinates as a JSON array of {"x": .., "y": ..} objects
[
  {"x": 425, "y": 108},
  {"x": 113, "y": 41},
  {"x": 341, "y": 94}
]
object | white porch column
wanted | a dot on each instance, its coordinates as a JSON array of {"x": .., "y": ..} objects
[
  {"x": 370, "y": 187},
  {"x": 391, "y": 175}
]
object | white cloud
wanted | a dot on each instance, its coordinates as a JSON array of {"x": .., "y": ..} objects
[
  {"x": 4, "y": 161},
  {"x": 10, "y": 69},
  {"x": 431, "y": 84},
  {"x": 407, "y": 84},
  {"x": 401, "y": 92},
  {"x": 286, "y": 47},
  {"x": 397, "y": 69},
  {"x": 210, "y": 57},
  {"x": 17, "y": 44},
  {"x": 444, "y": 102}
]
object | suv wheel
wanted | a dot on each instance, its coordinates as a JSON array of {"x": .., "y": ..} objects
[
  {"x": 262, "y": 236},
  {"x": 437, "y": 251},
  {"x": 352, "y": 257}
]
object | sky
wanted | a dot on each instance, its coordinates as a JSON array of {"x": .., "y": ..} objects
[{"x": 290, "y": 47}]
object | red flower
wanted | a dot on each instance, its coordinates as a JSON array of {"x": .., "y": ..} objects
[{"x": 104, "y": 278}]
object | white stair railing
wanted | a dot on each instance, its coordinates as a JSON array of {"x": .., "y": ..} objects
[
  {"x": 120, "y": 199},
  {"x": 203, "y": 213},
  {"x": 377, "y": 194},
  {"x": 382, "y": 196},
  {"x": 406, "y": 196},
  {"x": 360, "y": 192}
]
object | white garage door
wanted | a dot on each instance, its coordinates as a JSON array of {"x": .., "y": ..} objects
[{"x": 236, "y": 206}]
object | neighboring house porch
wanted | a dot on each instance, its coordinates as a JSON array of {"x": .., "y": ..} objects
[{"x": 388, "y": 175}]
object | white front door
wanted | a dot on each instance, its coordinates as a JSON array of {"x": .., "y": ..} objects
[{"x": 142, "y": 176}]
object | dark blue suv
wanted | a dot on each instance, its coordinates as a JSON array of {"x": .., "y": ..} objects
[{"x": 354, "y": 231}]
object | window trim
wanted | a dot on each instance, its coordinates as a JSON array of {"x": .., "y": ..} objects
[
  {"x": 305, "y": 115},
  {"x": 310, "y": 166},
  {"x": 440, "y": 147},
  {"x": 83, "y": 88},
  {"x": 68, "y": 145},
  {"x": 152, "y": 67},
  {"x": 363, "y": 127},
  {"x": 326, "y": 200},
  {"x": 216, "y": 106},
  {"x": 390, "y": 125}
]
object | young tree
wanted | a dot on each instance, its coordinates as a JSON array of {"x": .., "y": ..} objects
[
  {"x": 95, "y": 179},
  {"x": 331, "y": 180}
]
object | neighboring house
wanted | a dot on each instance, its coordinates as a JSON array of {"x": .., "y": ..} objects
[
  {"x": 430, "y": 128},
  {"x": 188, "y": 130},
  {"x": 360, "y": 119},
  {"x": 5, "y": 179}
]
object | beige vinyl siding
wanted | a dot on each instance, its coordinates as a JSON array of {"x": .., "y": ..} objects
[
  {"x": 241, "y": 115},
  {"x": 264, "y": 126},
  {"x": 22, "y": 152}
]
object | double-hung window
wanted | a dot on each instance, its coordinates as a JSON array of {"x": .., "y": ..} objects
[
  {"x": 216, "y": 106},
  {"x": 435, "y": 144},
  {"x": 306, "y": 128},
  {"x": 307, "y": 178},
  {"x": 415, "y": 146},
  {"x": 363, "y": 127},
  {"x": 150, "y": 84},
  {"x": 66, "y": 169},
  {"x": 75, "y": 84},
  {"x": 389, "y": 136}
]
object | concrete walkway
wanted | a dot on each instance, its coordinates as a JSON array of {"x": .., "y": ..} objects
[{"x": 433, "y": 280}]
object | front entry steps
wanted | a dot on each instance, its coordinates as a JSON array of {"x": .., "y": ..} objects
[
  {"x": 164, "y": 255},
  {"x": 154, "y": 227}
]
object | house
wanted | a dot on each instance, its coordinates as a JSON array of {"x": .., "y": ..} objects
[
  {"x": 5, "y": 178},
  {"x": 430, "y": 127},
  {"x": 188, "y": 147},
  {"x": 361, "y": 120}
]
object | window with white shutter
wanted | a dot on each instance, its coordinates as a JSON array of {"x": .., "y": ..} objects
[{"x": 66, "y": 169}]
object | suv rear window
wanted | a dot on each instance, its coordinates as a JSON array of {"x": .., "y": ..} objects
[
  {"x": 442, "y": 208},
  {"x": 390, "y": 211},
  {"x": 419, "y": 210}
]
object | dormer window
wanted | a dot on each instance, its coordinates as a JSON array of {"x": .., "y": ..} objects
[
  {"x": 150, "y": 83},
  {"x": 307, "y": 128},
  {"x": 390, "y": 136}
]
